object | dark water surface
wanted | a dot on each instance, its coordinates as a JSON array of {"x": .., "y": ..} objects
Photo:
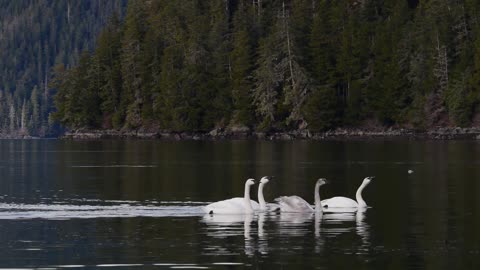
[{"x": 137, "y": 205}]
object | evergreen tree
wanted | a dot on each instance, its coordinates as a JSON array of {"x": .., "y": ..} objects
[
  {"x": 36, "y": 35},
  {"x": 219, "y": 71},
  {"x": 322, "y": 109},
  {"x": 35, "y": 117},
  {"x": 107, "y": 54},
  {"x": 132, "y": 64},
  {"x": 241, "y": 59},
  {"x": 270, "y": 65}
]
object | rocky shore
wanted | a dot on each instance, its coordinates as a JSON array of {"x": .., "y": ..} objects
[{"x": 443, "y": 133}]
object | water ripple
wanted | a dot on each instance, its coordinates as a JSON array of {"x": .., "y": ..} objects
[{"x": 59, "y": 211}]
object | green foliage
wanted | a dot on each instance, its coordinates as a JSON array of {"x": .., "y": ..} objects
[
  {"x": 107, "y": 54},
  {"x": 459, "y": 101},
  {"x": 35, "y": 36},
  {"x": 275, "y": 65},
  {"x": 77, "y": 99},
  {"x": 272, "y": 67},
  {"x": 241, "y": 69},
  {"x": 132, "y": 65},
  {"x": 321, "y": 109}
]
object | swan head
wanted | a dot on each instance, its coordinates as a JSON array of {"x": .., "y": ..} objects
[
  {"x": 322, "y": 181},
  {"x": 368, "y": 179},
  {"x": 265, "y": 179},
  {"x": 250, "y": 182}
]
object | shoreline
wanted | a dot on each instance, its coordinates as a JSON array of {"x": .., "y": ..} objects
[{"x": 220, "y": 134}]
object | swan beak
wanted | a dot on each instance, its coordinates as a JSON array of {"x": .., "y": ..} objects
[{"x": 372, "y": 177}]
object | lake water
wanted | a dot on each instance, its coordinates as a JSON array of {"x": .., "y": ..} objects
[{"x": 137, "y": 205}]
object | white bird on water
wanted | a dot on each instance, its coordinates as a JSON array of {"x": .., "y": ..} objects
[
  {"x": 236, "y": 205},
  {"x": 410, "y": 171},
  {"x": 265, "y": 207},
  {"x": 344, "y": 202},
  {"x": 297, "y": 204}
]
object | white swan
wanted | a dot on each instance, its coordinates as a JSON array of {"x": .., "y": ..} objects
[
  {"x": 235, "y": 205},
  {"x": 344, "y": 202},
  {"x": 297, "y": 204},
  {"x": 266, "y": 207}
]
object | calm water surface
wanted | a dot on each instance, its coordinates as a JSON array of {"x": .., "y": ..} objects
[{"x": 137, "y": 205}]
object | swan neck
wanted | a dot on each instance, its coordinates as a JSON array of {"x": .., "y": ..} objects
[
  {"x": 246, "y": 199},
  {"x": 358, "y": 196},
  {"x": 261, "y": 199},
  {"x": 318, "y": 202}
]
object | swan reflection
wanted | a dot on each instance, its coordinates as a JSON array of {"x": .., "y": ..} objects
[
  {"x": 339, "y": 218},
  {"x": 262, "y": 234},
  {"x": 295, "y": 219},
  {"x": 223, "y": 226},
  {"x": 318, "y": 220},
  {"x": 362, "y": 227},
  {"x": 324, "y": 227},
  {"x": 249, "y": 244},
  {"x": 346, "y": 222},
  {"x": 261, "y": 222},
  {"x": 318, "y": 240},
  {"x": 341, "y": 210},
  {"x": 295, "y": 223},
  {"x": 223, "y": 220}
]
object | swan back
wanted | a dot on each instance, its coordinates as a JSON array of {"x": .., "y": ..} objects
[
  {"x": 344, "y": 202},
  {"x": 230, "y": 206},
  {"x": 234, "y": 205},
  {"x": 297, "y": 204},
  {"x": 293, "y": 204},
  {"x": 339, "y": 202},
  {"x": 271, "y": 207}
]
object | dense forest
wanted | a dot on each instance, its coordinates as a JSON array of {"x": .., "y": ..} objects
[
  {"x": 274, "y": 65},
  {"x": 34, "y": 36}
]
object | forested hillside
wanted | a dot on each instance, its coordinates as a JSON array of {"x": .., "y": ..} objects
[
  {"x": 273, "y": 65},
  {"x": 34, "y": 36}
]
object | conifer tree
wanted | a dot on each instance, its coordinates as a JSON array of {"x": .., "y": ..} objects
[
  {"x": 270, "y": 65},
  {"x": 321, "y": 109},
  {"x": 131, "y": 62},
  {"x": 241, "y": 59},
  {"x": 107, "y": 54}
]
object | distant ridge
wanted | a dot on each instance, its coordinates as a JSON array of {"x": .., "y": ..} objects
[{"x": 34, "y": 36}]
